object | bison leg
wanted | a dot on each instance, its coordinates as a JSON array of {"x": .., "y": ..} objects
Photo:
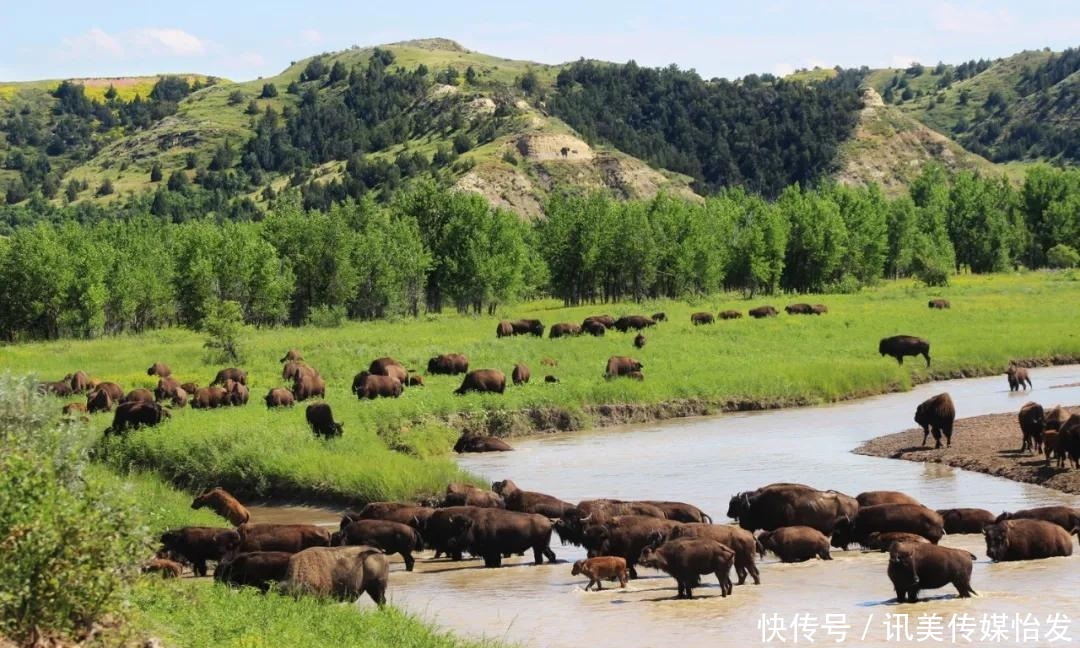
[
  {"x": 723, "y": 575},
  {"x": 900, "y": 360},
  {"x": 901, "y": 595},
  {"x": 633, "y": 572},
  {"x": 963, "y": 588},
  {"x": 824, "y": 554},
  {"x": 926, "y": 355},
  {"x": 937, "y": 436},
  {"x": 599, "y": 584},
  {"x": 199, "y": 567},
  {"x": 740, "y": 571},
  {"x": 549, "y": 553},
  {"x": 913, "y": 595},
  {"x": 377, "y": 592},
  {"x": 493, "y": 560},
  {"x": 409, "y": 560},
  {"x": 926, "y": 433}
]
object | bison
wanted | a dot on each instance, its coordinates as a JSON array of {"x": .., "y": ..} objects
[
  {"x": 194, "y": 544},
  {"x": 292, "y": 355},
  {"x": 966, "y": 520},
  {"x": 607, "y": 321},
  {"x": 371, "y": 386},
  {"x": 231, "y": 373},
  {"x": 870, "y": 498},
  {"x": 730, "y": 314},
  {"x": 621, "y": 366},
  {"x": 137, "y": 414},
  {"x": 167, "y": 568},
  {"x": 532, "y": 327},
  {"x": 1066, "y": 517},
  {"x": 799, "y": 309},
  {"x": 210, "y": 398},
  {"x": 762, "y": 311},
  {"x": 1032, "y": 423},
  {"x": 99, "y": 401},
  {"x": 387, "y": 366},
  {"x": 819, "y": 309},
  {"x": 564, "y": 329},
  {"x": 492, "y": 533},
  {"x": 309, "y": 385},
  {"x": 223, "y": 504},
  {"x": 79, "y": 382},
  {"x": 390, "y": 537},
  {"x": 138, "y": 395},
  {"x": 1018, "y": 378},
  {"x": 530, "y": 501},
  {"x": 679, "y": 511},
  {"x": 469, "y": 495},
  {"x": 899, "y": 346},
  {"x": 635, "y": 322},
  {"x": 778, "y": 505},
  {"x": 740, "y": 541},
  {"x": 626, "y": 536},
  {"x": 687, "y": 559},
  {"x": 795, "y": 543},
  {"x": 504, "y": 329},
  {"x": 701, "y": 318},
  {"x": 1068, "y": 442},
  {"x": 483, "y": 380},
  {"x": 259, "y": 569},
  {"x": 882, "y": 540},
  {"x": 279, "y": 397},
  {"x": 939, "y": 304},
  {"x": 915, "y": 566},
  {"x": 448, "y": 364},
  {"x": 595, "y": 329},
  {"x": 521, "y": 374},
  {"x": 166, "y": 388},
  {"x": 321, "y": 419},
  {"x": 908, "y": 518},
  {"x": 935, "y": 416},
  {"x": 343, "y": 573},
  {"x": 1026, "y": 539},
  {"x": 272, "y": 537},
  {"x": 159, "y": 369},
  {"x": 480, "y": 443},
  {"x": 601, "y": 568}
]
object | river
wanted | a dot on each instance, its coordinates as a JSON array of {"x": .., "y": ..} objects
[{"x": 705, "y": 461}]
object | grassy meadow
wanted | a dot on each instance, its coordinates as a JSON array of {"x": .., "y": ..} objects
[{"x": 397, "y": 448}]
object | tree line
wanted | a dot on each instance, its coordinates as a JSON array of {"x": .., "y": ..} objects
[{"x": 431, "y": 248}]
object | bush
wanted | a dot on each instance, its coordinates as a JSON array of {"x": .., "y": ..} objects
[
  {"x": 1062, "y": 256},
  {"x": 68, "y": 541},
  {"x": 224, "y": 324},
  {"x": 326, "y": 316},
  {"x": 510, "y": 158}
]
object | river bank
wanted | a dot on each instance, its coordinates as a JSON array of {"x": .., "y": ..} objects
[{"x": 987, "y": 444}]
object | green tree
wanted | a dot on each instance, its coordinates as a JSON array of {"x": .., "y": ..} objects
[
  {"x": 817, "y": 240},
  {"x": 178, "y": 180},
  {"x": 155, "y": 172},
  {"x": 462, "y": 143},
  {"x": 269, "y": 91},
  {"x": 105, "y": 188},
  {"x": 223, "y": 326},
  {"x": 236, "y": 97},
  {"x": 1062, "y": 256}
]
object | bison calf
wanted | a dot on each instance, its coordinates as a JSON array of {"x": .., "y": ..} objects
[{"x": 601, "y": 568}]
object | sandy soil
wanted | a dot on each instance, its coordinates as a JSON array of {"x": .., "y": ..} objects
[{"x": 988, "y": 444}]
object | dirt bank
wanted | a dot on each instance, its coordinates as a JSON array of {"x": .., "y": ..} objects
[{"x": 987, "y": 444}]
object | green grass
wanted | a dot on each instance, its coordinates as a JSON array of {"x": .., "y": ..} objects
[{"x": 782, "y": 361}]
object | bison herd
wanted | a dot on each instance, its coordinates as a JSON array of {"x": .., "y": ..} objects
[{"x": 794, "y": 522}]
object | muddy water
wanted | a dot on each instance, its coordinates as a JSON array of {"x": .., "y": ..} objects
[{"x": 705, "y": 461}]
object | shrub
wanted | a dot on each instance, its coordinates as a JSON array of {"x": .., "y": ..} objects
[
  {"x": 223, "y": 324},
  {"x": 510, "y": 158},
  {"x": 324, "y": 316},
  {"x": 1062, "y": 256}
]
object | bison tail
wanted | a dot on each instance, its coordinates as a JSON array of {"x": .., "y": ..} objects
[
  {"x": 418, "y": 540},
  {"x": 706, "y": 518}
]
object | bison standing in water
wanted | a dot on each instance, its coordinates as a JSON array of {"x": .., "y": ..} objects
[
  {"x": 1018, "y": 378},
  {"x": 529, "y": 501},
  {"x": 321, "y": 420},
  {"x": 483, "y": 380},
  {"x": 795, "y": 544},
  {"x": 260, "y": 569},
  {"x": 740, "y": 541},
  {"x": 194, "y": 544},
  {"x": 686, "y": 560},
  {"x": 966, "y": 520},
  {"x": 883, "y": 518},
  {"x": 390, "y": 537},
  {"x": 1026, "y": 539},
  {"x": 778, "y": 505},
  {"x": 492, "y": 533},
  {"x": 916, "y": 566},
  {"x": 600, "y": 568},
  {"x": 935, "y": 416},
  {"x": 899, "y": 346},
  {"x": 1066, "y": 517}
]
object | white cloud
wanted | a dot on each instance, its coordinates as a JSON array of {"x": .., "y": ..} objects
[
  {"x": 311, "y": 36},
  {"x": 246, "y": 60},
  {"x": 91, "y": 43},
  {"x": 902, "y": 60},
  {"x": 783, "y": 69},
  {"x": 970, "y": 19},
  {"x": 148, "y": 41},
  {"x": 173, "y": 42}
]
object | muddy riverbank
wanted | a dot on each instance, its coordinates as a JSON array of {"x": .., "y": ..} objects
[{"x": 987, "y": 444}]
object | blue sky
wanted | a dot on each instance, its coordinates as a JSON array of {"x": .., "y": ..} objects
[{"x": 240, "y": 40}]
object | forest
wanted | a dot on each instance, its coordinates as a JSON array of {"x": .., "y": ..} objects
[{"x": 431, "y": 248}]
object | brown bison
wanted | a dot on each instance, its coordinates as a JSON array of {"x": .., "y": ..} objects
[
  {"x": 159, "y": 369},
  {"x": 551, "y": 379},
  {"x": 180, "y": 398},
  {"x": 799, "y": 309},
  {"x": 762, "y": 311},
  {"x": 530, "y": 501},
  {"x": 166, "y": 388},
  {"x": 521, "y": 374},
  {"x": 899, "y": 346},
  {"x": 167, "y": 568},
  {"x": 601, "y": 568},
  {"x": 626, "y": 536},
  {"x": 309, "y": 385},
  {"x": 115, "y": 392},
  {"x": 882, "y": 540},
  {"x": 138, "y": 395},
  {"x": 259, "y": 569},
  {"x": 778, "y": 505},
  {"x": 528, "y": 327},
  {"x": 935, "y": 416},
  {"x": 298, "y": 369},
  {"x": 231, "y": 373},
  {"x": 223, "y": 504},
  {"x": 61, "y": 388},
  {"x": 795, "y": 544},
  {"x": 571, "y": 527},
  {"x": 137, "y": 414},
  {"x": 99, "y": 401},
  {"x": 390, "y": 537},
  {"x": 73, "y": 409},
  {"x": 679, "y": 511},
  {"x": 1026, "y": 539},
  {"x": 504, "y": 329},
  {"x": 483, "y": 380},
  {"x": 564, "y": 329},
  {"x": 469, "y": 495},
  {"x": 908, "y": 518},
  {"x": 871, "y": 498},
  {"x": 1066, "y": 517},
  {"x": 1018, "y": 378},
  {"x": 370, "y": 386},
  {"x": 279, "y": 397},
  {"x": 79, "y": 382},
  {"x": 819, "y": 309},
  {"x": 635, "y": 322},
  {"x": 621, "y": 366},
  {"x": 939, "y": 304},
  {"x": 194, "y": 544},
  {"x": 1032, "y": 423},
  {"x": 701, "y": 318},
  {"x": 492, "y": 533},
  {"x": 210, "y": 398},
  {"x": 415, "y": 380},
  {"x": 380, "y": 366},
  {"x": 321, "y": 419},
  {"x": 1068, "y": 443},
  {"x": 480, "y": 443},
  {"x": 687, "y": 559},
  {"x": 730, "y": 314},
  {"x": 190, "y": 387},
  {"x": 639, "y": 341},
  {"x": 1056, "y": 417},
  {"x": 740, "y": 541},
  {"x": 292, "y": 355},
  {"x": 595, "y": 329},
  {"x": 237, "y": 394},
  {"x": 914, "y": 567},
  {"x": 448, "y": 364},
  {"x": 343, "y": 573},
  {"x": 549, "y": 362},
  {"x": 607, "y": 321},
  {"x": 272, "y": 537},
  {"x": 966, "y": 520}
]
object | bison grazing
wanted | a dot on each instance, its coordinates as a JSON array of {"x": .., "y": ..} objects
[
  {"x": 882, "y": 518},
  {"x": 871, "y": 498},
  {"x": 1026, "y": 539},
  {"x": 309, "y": 385},
  {"x": 504, "y": 329},
  {"x": 621, "y": 366},
  {"x": 483, "y": 380},
  {"x": 762, "y": 311},
  {"x": 389, "y": 537},
  {"x": 292, "y": 355},
  {"x": 61, "y": 388},
  {"x": 939, "y": 304},
  {"x": 795, "y": 544},
  {"x": 180, "y": 398},
  {"x": 343, "y": 573},
  {"x": 379, "y": 366},
  {"x": 210, "y": 398},
  {"x": 915, "y": 566},
  {"x": 321, "y": 419},
  {"x": 99, "y": 401},
  {"x": 139, "y": 395},
  {"x": 415, "y": 380},
  {"x": 166, "y": 388},
  {"x": 194, "y": 544},
  {"x": 740, "y": 541},
  {"x": 529, "y": 501},
  {"x": 1032, "y": 423},
  {"x": 701, "y": 318},
  {"x": 601, "y": 568},
  {"x": 779, "y": 505},
  {"x": 297, "y": 369},
  {"x": 595, "y": 329},
  {"x": 564, "y": 329},
  {"x": 233, "y": 374},
  {"x": 965, "y": 520},
  {"x": 159, "y": 369},
  {"x": 730, "y": 314},
  {"x": 79, "y": 382},
  {"x": 521, "y": 374},
  {"x": 532, "y": 327},
  {"x": 137, "y": 414},
  {"x": 607, "y": 321},
  {"x": 819, "y": 309},
  {"x": 1018, "y": 378},
  {"x": 259, "y": 569},
  {"x": 190, "y": 388},
  {"x": 367, "y": 385},
  {"x": 935, "y": 416},
  {"x": 687, "y": 559},
  {"x": 448, "y": 364},
  {"x": 480, "y": 443},
  {"x": 223, "y": 504},
  {"x": 279, "y": 397},
  {"x": 635, "y": 322},
  {"x": 799, "y": 309},
  {"x": 1065, "y": 517},
  {"x": 899, "y": 346},
  {"x": 237, "y": 394},
  {"x": 73, "y": 409}
]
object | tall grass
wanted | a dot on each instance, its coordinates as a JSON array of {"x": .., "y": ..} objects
[{"x": 785, "y": 360}]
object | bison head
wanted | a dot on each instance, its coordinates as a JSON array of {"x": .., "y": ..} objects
[
  {"x": 578, "y": 564},
  {"x": 504, "y": 487},
  {"x": 842, "y": 533},
  {"x": 923, "y": 415},
  {"x": 460, "y": 533},
  {"x": 763, "y": 542},
  {"x": 227, "y": 542},
  {"x": 997, "y": 540},
  {"x": 739, "y": 505},
  {"x": 650, "y": 558},
  {"x": 595, "y": 539}
]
